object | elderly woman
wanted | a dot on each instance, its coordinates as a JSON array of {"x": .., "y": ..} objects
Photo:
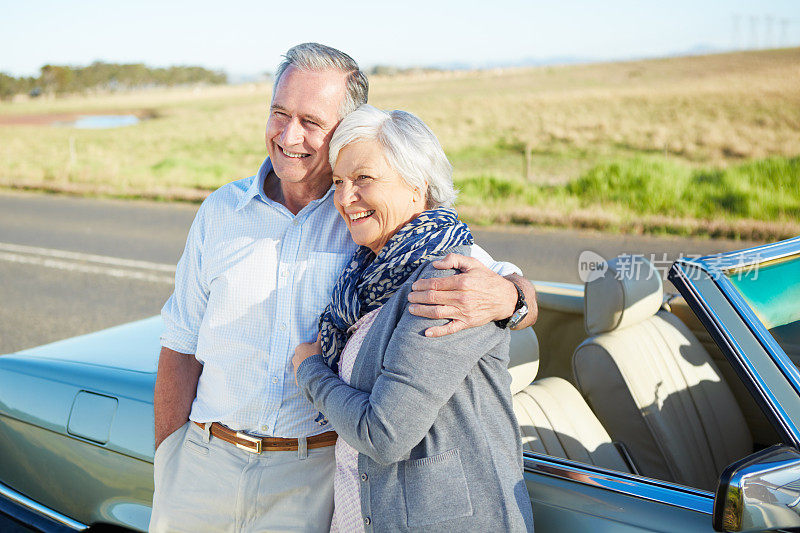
[{"x": 428, "y": 437}]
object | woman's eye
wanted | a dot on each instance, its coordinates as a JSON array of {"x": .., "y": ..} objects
[
  {"x": 337, "y": 182},
  {"x": 363, "y": 177},
  {"x": 312, "y": 123}
]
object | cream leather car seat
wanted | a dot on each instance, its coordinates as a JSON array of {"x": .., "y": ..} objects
[
  {"x": 553, "y": 417},
  {"x": 652, "y": 384}
]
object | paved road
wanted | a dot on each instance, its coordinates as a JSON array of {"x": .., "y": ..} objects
[{"x": 70, "y": 266}]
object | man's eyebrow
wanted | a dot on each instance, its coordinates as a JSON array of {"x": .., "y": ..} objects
[
  {"x": 306, "y": 116},
  {"x": 315, "y": 119}
]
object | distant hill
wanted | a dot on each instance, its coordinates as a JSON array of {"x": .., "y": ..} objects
[{"x": 534, "y": 61}]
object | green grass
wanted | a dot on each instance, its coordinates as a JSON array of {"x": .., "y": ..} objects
[
  {"x": 758, "y": 199},
  {"x": 643, "y": 184},
  {"x": 766, "y": 189}
]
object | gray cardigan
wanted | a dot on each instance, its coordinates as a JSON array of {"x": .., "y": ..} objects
[{"x": 432, "y": 419}]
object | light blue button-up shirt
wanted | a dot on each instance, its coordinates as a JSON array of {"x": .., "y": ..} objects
[{"x": 250, "y": 286}]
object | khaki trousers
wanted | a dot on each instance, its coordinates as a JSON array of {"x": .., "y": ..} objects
[{"x": 205, "y": 484}]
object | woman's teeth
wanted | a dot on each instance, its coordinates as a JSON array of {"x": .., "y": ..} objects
[
  {"x": 363, "y": 214},
  {"x": 292, "y": 154}
]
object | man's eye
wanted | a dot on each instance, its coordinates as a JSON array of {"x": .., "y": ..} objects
[
  {"x": 364, "y": 177},
  {"x": 337, "y": 181},
  {"x": 280, "y": 114},
  {"x": 312, "y": 123}
]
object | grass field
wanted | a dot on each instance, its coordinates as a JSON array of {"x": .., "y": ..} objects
[{"x": 707, "y": 144}]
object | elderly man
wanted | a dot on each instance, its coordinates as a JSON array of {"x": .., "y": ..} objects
[{"x": 237, "y": 447}]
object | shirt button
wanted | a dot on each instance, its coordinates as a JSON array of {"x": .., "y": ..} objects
[
  {"x": 295, "y": 222},
  {"x": 367, "y": 521},
  {"x": 283, "y": 327},
  {"x": 275, "y": 379},
  {"x": 265, "y": 429},
  {"x": 364, "y": 477}
]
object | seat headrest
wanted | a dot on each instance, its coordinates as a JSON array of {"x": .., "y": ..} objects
[
  {"x": 524, "y": 359},
  {"x": 627, "y": 292}
]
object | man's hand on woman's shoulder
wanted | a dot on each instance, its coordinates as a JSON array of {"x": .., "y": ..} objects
[{"x": 474, "y": 297}]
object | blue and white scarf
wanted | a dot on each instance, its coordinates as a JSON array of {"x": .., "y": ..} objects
[{"x": 369, "y": 281}]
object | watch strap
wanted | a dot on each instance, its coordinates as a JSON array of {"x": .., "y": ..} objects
[{"x": 503, "y": 323}]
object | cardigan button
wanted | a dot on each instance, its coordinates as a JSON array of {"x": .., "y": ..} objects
[
  {"x": 364, "y": 477},
  {"x": 367, "y": 521}
]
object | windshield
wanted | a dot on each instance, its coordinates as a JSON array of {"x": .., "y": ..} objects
[{"x": 772, "y": 290}]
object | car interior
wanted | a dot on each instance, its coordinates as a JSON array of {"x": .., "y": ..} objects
[{"x": 620, "y": 376}]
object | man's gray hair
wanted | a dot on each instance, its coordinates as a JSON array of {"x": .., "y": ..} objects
[
  {"x": 410, "y": 148},
  {"x": 316, "y": 57}
]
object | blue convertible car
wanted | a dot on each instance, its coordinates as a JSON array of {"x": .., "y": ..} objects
[{"x": 640, "y": 411}]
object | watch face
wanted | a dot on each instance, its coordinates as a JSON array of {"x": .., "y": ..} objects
[{"x": 518, "y": 315}]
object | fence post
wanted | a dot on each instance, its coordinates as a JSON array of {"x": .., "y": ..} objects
[{"x": 528, "y": 162}]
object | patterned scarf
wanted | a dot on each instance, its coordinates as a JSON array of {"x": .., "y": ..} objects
[{"x": 369, "y": 281}]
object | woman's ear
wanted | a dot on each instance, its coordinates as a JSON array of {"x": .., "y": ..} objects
[{"x": 418, "y": 194}]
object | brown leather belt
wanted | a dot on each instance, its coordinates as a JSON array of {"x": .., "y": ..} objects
[{"x": 255, "y": 444}]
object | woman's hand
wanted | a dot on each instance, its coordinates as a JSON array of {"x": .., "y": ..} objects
[{"x": 304, "y": 351}]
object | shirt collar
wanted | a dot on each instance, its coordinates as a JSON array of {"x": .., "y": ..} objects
[{"x": 256, "y": 188}]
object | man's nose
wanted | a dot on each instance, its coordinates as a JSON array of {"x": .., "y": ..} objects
[{"x": 292, "y": 133}]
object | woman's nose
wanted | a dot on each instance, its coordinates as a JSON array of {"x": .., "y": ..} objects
[{"x": 346, "y": 194}]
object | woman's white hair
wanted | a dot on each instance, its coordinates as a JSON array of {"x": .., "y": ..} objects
[{"x": 410, "y": 148}]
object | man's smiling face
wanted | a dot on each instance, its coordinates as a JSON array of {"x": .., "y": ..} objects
[{"x": 303, "y": 115}]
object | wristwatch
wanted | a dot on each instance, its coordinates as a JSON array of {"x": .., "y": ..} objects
[{"x": 520, "y": 311}]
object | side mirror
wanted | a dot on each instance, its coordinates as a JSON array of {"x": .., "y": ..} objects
[{"x": 760, "y": 492}]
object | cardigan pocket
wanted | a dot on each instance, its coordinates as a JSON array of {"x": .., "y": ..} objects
[{"x": 436, "y": 489}]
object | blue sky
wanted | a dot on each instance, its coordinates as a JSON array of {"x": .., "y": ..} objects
[{"x": 248, "y": 37}]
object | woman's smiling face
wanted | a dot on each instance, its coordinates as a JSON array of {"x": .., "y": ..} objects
[{"x": 373, "y": 199}]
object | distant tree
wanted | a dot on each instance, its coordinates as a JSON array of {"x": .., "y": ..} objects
[
  {"x": 61, "y": 79},
  {"x": 384, "y": 70},
  {"x": 8, "y": 86},
  {"x": 58, "y": 79},
  {"x": 389, "y": 70}
]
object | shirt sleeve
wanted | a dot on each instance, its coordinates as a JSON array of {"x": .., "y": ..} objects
[
  {"x": 387, "y": 422},
  {"x": 184, "y": 310},
  {"x": 502, "y": 268}
]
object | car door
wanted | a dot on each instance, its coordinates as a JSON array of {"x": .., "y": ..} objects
[{"x": 571, "y": 496}]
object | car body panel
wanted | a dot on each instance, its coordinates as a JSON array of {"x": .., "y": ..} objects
[
  {"x": 81, "y": 480},
  {"x": 81, "y": 412},
  {"x": 561, "y": 504},
  {"x": 133, "y": 347},
  {"x": 20, "y": 514},
  {"x": 43, "y": 394}
]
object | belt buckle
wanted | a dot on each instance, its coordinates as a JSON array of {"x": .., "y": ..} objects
[{"x": 254, "y": 440}]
